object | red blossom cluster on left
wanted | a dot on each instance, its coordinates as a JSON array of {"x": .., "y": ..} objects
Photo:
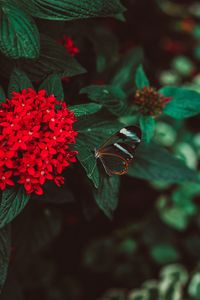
[{"x": 35, "y": 134}]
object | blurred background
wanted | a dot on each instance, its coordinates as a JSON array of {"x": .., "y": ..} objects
[{"x": 151, "y": 248}]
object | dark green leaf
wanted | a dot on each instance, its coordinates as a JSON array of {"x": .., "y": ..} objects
[
  {"x": 19, "y": 36},
  {"x": 70, "y": 10},
  {"x": 141, "y": 79},
  {"x": 105, "y": 45},
  {"x": 2, "y": 95},
  {"x": 53, "y": 59},
  {"x": 124, "y": 76},
  {"x": 106, "y": 195},
  {"x": 164, "y": 253},
  {"x": 18, "y": 82},
  {"x": 152, "y": 162},
  {"x": 147, "y": 124},
  {"x": 88, "y": 161},
  {"x": 35, "y": 230},
  {"x": 85, "y": 109},
  {"x": 95, "y": 130},
  {"x": 12, "y": 203},
  {"x": 113, "y": 98},
  {"x": 53, "y": 85},
  {"x": 4, "y": 254},
  {"x": 184, "y": 103}
]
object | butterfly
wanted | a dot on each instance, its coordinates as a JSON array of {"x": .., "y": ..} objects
[{"x": 118, "y": 151}]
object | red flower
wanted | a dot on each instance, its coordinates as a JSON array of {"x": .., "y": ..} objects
[
  {"x": 35, "y": 136},
  {"x": 69, "y": 45},
  {"x": 5, "y": 179},
  {"x": 150, "y": 102}
]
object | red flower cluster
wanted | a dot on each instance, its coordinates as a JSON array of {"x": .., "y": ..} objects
[
  {"x": 35, "y": 134},
  {"x": 69, "y": 45},
  {"x": 150, "y": 102}
]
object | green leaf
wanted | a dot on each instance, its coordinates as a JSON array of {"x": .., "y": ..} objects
[
  {"x": 70, "y": 10},
  {"x": 53, "y": 59},
  {"x": 18, "y": 82},
  {"x": 85, "y": 109},
  {"x": 43, "y": 224},
  {"x": 94, "y": 130},
  {"x": 19, "y": 36},
  {"x": 4, "y": 254},
  {"x": 12, "y": 203},
  {"x": 164, "y": 253},
  {"x": 194, "y": 286},
  {"x": 152, "y": 162},
  {"x": 139, "y": 294},
  {"x": 88, "y": 161},
  {"x": 174, "y": 216},
  {"x": 2, "y": 95},
  {"x": 106, "y": 196},
  {"x": 53, "y": 85},
  {"x": 113, "y": 98},
  {"x": 141, "y": 79},
  {"x": 184, "y": 103},
  {"x": 147, "y": 124},
  {"x": 124, "y": 76},
  {"x": 105, "y": 45}
]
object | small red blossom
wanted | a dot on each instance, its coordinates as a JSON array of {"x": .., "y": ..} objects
[
  {"x": 5, "y": 179},
  {"x": 69, "y": 45},
  {"x": 150, "y": 102},
  {"x": 36, "y": 132}
]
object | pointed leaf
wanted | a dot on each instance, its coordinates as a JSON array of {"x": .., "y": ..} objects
[
  {"x": 105, "y": 45},
  {"x": 12, "y": 203},
  {"x": 147, "y": 124},
  {"x": 70, "y": 10},
  {"x": 88, "y": 161},
  {"x": 141, "y": 79},
  {"x": 19, "y": 35},
  {"x": 18, "y": 81},
  {"x": 53, "y": 85},
  {"x": 124, "y": 76},
  {"x": 113, "y": 98},
  {"x": 53, "y": 59},
  {"x": 152, "y": 162},
  {"x": 184, "y": 103},
  {"x": 85, "y": 109},
  {"x": 4, "y": 254},
  {"x": 106, "y": 195},
  {"x": 43, "y": 224},
  {"x": 95, "y": 130}
]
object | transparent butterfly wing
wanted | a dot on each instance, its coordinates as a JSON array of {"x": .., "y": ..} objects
[
  {"x": 114, "y": 164},
  {"x": 130, "y": 135}
]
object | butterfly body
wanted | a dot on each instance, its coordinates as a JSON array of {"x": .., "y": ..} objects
[{"x": 119, "y": 150}]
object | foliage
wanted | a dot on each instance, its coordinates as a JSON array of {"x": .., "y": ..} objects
[{"x": 97, "y": 231}]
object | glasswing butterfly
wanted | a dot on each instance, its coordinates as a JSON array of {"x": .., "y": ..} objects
[{"x": 118, "y": 151}]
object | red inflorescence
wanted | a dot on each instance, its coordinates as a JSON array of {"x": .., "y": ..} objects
[
  {"x": 150, "y": 102},
  {"x": 69, "y": 45},
  {"x": 35, "y": 134}
]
